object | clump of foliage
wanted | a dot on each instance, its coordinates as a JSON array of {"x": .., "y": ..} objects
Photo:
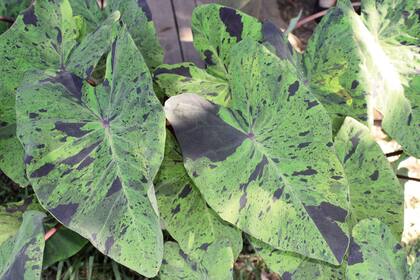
[{"x": 265, "y": 142}]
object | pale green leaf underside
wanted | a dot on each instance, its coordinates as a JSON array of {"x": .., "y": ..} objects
[
  {"x": 375, "y": 191},
  {"x": 185, "y": 213},
  {"x": 375, "y": 253},
  {"x": 44, "y": 37},
  {"x": 267, "y": 164},
  {"x": 21, "y": 255},
  {"x": 101, "y": 145}
]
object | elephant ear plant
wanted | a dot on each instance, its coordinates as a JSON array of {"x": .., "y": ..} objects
[{"x": 265, "y": 143}]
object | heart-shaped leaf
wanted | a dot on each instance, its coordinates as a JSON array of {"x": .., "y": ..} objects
[
  {"x": 375, "y": 253},
  {"x": 21, "y": 255},
  {"x": 135, "y": 14},
  {"x": 187, "y": 217},
  {"x": 102, "y": 145},
  {"x": 267, "y": 164},
  {"x": 44, "y": 37},
  {"x": 375, "y": 191}
]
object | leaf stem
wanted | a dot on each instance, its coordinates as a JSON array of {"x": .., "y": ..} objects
[
  {"x": 318, "y": 15},
  {"x": 52, "y": 231},
  {"x": 408, "y": 178},
  {"x": 395, "y": 153},
  {"x": 7, "y": 19}
]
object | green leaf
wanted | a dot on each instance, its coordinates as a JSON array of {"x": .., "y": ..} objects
[
  {"x": 216, "y": 264},
  {"x": 375, "y": 191},
  {"x": 359, "y": 63},
  {"x": 216, "y": 30},
  {"x": 21, "y": 256},
  {"x": 102, "y": 145},
  {"x": 187, "y": 78},
  {"x": 135, "y": 14},
  {"x": 375, "y": 253},
  {"x": 267, "y": 164},
  {"x": 11, "y": 8},
  {"x": 44, "y": 37},
  {"x": 62, "y": 245},
  {"x": 293, "y": 266},
  {"x": 11, "y": 216},
  {"x": 414, "y": 272},
  {"x": 332, "y": 64},
  {"x": 390, "y": 37},
  {"x": 184, "y": 212}
]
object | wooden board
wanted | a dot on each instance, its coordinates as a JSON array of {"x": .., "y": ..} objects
[
  {"x": 164, "y": 19},
  {"x": 183, "y": 11}
]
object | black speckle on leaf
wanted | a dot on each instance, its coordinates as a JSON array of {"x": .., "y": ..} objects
[
  {"x": 293, "y": 88},
  {"x": 232, "y": 21},
  {"x": 307, "y": 172},
  {"x": 354, "y": 84},
  {"x": 354, "y": 143},
  {"x": 185, "y": 191},
  {"x": 242, "y": 201},
  {"x": 176, "y": 209},
  {"x": 208, "y": 57},
  {"x": 374, "y": 175},
  {"x": 277, "y": 194}
]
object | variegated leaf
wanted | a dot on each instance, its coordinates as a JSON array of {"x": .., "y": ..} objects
[
  {"x": 21, "y": 255},
  {"x": 267, "y": 163},
  {"x": 375, "y": 191},
  {"x": 11, "y": 8},
  {"x": 102, "y": 145},
  {"x": 375, "y": 253},
  {"x": 216, "y": 263},
  {"x": 216, "y": 30},
  {"x": 135, "y": 14},
  {"x": 186, "y": 215},
  {"x": 44, "y": 37},
  {"x": 187, "y": 78},
  {"x": 292, "y": 266}
]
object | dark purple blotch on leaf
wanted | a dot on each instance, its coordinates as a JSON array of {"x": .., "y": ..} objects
[
  {"x": 42, "y": 171},
  {"x": 115, "y": 187},
  {"x": 233, "y": 22},
  {"x": 181, "y": 70},
  {"x": 64, "y": 212},
  {"x": 29, "y": 16},
  {"x": 326, "y": 216},
  {"x": 355, "y": 253}
]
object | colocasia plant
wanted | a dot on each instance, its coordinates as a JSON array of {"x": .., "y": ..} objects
[{"x": 265, "y": 143}]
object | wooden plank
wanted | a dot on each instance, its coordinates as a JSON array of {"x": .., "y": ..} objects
[
  {"x": 163, "y": 17},
  {"x": 183, "y": 11}
]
